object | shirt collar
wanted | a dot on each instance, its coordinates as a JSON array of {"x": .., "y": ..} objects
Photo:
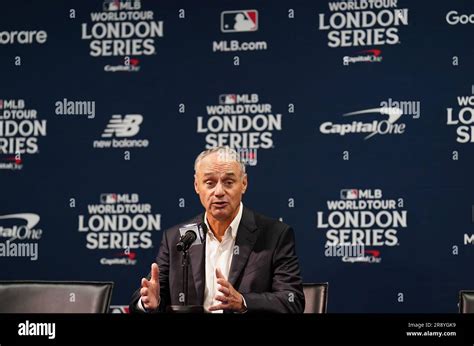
[{"x": 234, "y": 225}]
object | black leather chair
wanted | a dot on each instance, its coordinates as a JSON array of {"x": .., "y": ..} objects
[
  {"x": 466, "y": 302},
  {"x": 55, "y": 296},
  {"x": 316, "y": 298}
]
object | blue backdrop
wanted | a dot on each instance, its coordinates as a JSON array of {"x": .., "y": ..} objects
[{"x": 105, "y": 104}]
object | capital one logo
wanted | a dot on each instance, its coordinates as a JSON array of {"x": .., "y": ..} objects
[
  {"x": 380, "y": 127},
  {"x": 21, "y": 231},
  {"x": 127, "y": 126},
  {"x": 31, "y": 219}
]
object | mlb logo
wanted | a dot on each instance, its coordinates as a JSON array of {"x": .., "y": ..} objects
[
  {"x": 108, "y": 198},
  {"x": 349, "y": 194},
  {"x": 111, "y": 5},
  {"x": 227, "y": 99},
  {"x": 239, "y": 21},
  {"x": 119, "y": 309}
]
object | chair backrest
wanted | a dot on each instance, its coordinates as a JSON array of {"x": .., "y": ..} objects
[
  {"x": 316, "y": 298},
  {"x": 55, "y": 296},
  {"x": 466, "y": 302}
]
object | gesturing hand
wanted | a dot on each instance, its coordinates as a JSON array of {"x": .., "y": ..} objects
[
  {"x": 150, "y": 291},
  {"x": 230, "y": 298}
]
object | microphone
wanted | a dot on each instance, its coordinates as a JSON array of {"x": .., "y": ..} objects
[
  {"x": 192, "y": 234},
  {"x": 189, "y": 236},
  {"x": 186, "y": 240}
]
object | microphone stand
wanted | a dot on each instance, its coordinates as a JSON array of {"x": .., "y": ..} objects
[
  {"x": 185, "y": 308},
  {"x": 185, "y": 266}
]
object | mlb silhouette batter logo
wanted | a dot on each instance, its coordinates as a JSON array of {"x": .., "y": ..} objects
[
  {"x": 227, "y": 99},
  {"x": 111, "y": 5},
  {"x": 349, "y": 194},
  {"x": 108, "y": 198},
  {"x": 239, "y": 21}
]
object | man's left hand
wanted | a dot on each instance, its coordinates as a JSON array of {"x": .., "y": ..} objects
[{"x": 230, "y": 298}]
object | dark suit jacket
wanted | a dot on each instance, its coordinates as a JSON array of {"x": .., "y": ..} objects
[{"x": 265, "y": 270}]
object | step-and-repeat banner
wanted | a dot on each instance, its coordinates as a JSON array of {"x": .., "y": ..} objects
[{"x": 355, "y": 119}]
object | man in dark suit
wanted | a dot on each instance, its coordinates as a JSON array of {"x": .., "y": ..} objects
[{"x": 247, "y": 261}]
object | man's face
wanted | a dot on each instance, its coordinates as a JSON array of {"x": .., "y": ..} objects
[{"x": 220, "y": 184}]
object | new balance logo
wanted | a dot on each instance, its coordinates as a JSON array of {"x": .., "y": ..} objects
[{"x": 127, "y": 126}]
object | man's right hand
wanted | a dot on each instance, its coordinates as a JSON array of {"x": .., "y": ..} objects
[{"x": 150, "y": 291}]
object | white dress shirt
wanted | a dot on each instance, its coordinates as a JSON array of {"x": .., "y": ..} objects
[{"x": 219, "y": 255}]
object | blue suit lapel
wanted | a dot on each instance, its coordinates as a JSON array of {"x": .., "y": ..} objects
[{"x": 247, "y": 235}]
